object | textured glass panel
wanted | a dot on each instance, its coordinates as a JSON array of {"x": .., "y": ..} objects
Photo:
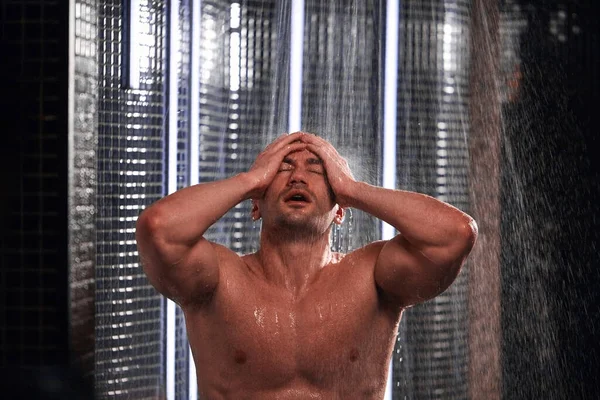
[
  {"x": 82, "y": 190},
  {"x": 130, "y": 177},
  {"x": 183, "y": 95}
]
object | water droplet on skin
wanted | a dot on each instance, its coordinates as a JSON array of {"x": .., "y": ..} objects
[
  {"x": 259, "y": 316},
  {"x": 276, "y": 324}
]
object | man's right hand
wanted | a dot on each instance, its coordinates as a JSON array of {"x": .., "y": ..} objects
[{"x": 269, "y": 161}]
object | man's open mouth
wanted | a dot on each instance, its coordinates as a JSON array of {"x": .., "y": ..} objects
[{"x": 297, "y": 197}]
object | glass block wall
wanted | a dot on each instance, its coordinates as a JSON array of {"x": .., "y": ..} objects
[
  {"x": 182, "y": 62},
  {"x": 129, "y": 339},
  {"x": 431, "y": 358},
  {"x": 82, "y": 184}
]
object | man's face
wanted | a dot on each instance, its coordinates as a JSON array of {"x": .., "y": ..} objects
[{"x": 299, "y": 196}]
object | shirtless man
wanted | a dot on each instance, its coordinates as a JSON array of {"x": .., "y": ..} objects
[{"x": 295, "y": 320}]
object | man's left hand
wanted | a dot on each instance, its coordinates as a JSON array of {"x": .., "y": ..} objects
[{"x": 338, "y": 172}]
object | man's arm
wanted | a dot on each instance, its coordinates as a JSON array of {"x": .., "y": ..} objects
[
  {"x": 426, "y": 256},
  {"x": 434, "y": 240},
  {"x": 178, "y": 261}
]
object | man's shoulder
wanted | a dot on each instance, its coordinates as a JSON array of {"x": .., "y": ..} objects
[
  {"x": 368, "y": 250},
  {"x": 225, "y": 254},
  {"x": 364, "y": 256}
]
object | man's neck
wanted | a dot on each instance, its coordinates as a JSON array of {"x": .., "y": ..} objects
[{"x": 292, "y": 264}]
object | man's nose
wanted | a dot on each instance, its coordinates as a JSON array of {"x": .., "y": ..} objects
[{"x": 298, "y": 176}]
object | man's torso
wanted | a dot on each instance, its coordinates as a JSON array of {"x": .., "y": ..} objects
[{"x": 255, "y": 340}]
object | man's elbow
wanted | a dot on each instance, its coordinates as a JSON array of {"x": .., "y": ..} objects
[
  {"x": 467, "y": 237},
  {"x": 151, "y": 249},
  {"x": 471, "y": 231},
  {"x": 149, "y": 237},
  {"x": 148, "y": 223}
]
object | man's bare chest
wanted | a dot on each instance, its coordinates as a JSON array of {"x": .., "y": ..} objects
[
  {"x": 317, "y": 320},
  {"x": 334, "y": 323}
]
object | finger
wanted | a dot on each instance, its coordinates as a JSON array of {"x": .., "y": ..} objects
[
  {"x": 319, "y": 151},
  {"x": 274, "y": 143},
  {"x": 287, "y": 137},
  {"x": 288, "y": 149},
  {"x": 325, "y": 147},
  {"x": 312, "y": 138},
  {"x": 293, "y": 146},
  {"x": 322, "y": 145},
  {"x": 283, "y": 141},
  {"x": 331, "y": 158}
]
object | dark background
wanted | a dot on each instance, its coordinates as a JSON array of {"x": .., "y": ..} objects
[{"x": 550, "y": 149}]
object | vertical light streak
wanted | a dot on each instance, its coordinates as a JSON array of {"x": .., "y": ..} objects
[
  {"x": 390, "y": 104},
  {"x": 389, "y": 123},
  {"x": 71, "y": 144},
  {"x": 134, "y": 48},
  {"x": 296, "y": 54},
  {"x": 71, "y": 97},
  {"x": 234, "y": 48},
  {"x": 172, "y": 176}
]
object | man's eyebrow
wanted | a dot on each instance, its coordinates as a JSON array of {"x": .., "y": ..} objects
[{"x": 309, "y": 161}]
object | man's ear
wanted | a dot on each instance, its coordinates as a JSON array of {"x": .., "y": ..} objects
[
  {"x": 255, "y": 213},
  {"x": 340, "y": 213}
]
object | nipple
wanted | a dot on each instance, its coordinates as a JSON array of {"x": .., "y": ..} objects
[
  {"x": 354, "y": 354},
  {"x": 240, "y": 357}
]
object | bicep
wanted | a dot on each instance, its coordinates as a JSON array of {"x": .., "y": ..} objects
[
  {"x": 184, "y": 273},
  {"x": 407, "y": 276}
]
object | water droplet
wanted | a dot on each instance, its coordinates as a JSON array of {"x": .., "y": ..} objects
[{"x": 259, "y": 316}]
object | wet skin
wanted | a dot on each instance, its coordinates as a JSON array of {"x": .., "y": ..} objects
[{"x": 256, "y": 340}]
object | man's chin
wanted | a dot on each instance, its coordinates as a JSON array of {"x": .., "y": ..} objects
[{"x": 297, "y": 223}]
